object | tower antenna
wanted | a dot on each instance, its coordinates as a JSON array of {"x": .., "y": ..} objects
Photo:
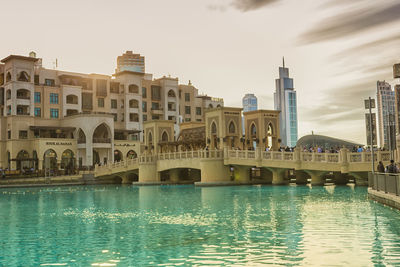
[{"x": 284, "y": 62}]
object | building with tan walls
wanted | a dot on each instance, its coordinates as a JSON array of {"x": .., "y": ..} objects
[{"x": 54, "y": 119}]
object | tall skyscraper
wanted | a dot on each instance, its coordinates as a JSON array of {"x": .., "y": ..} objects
[
  {"x": 130, "y": 62},
  {"x": 396, "y": 75},
  {"x": 249, "y": 102},
  {"x": 386, "y": 113},
  {"x": 285, "y": 101}
]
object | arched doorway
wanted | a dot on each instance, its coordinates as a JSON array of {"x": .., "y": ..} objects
[
  {"x": 96, "y": 157},
  {"x": 231, "y": 131},
  {"x": 50, "y": 160},
  {"x": 270, "y": 133},
  {"x": 102, "y": 134},
  {"x": 253, "y": 136},
  {"x": 214, "y": 138},
  {"x": 22, "y": 159},
  {"x": 131, "y": 154},
  {"x": 68, "y": 161},
  {"x": 117, "y": 156}
]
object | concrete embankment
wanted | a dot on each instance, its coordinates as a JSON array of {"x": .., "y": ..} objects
[{"x": 384, "y": 198}]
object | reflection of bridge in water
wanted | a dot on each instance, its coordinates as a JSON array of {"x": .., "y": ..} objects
[{"x": 234, "y": 167}]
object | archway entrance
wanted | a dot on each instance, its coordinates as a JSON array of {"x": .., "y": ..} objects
[
  {"x": 23, "y": 160},
  {"x": 50, "y": 160},
  {"x": 96, "y": 157},
  {"x": 68, "y": 161}
]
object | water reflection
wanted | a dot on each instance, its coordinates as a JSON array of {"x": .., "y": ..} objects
[{"x": 173, "y": 225}]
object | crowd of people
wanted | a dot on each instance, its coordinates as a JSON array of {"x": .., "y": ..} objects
[{"x": 391, "y": 168}]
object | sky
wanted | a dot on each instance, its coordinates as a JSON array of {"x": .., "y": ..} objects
[{"x": 336, "y": 50}]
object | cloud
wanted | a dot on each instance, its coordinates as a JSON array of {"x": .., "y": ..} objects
[
  {"x": 247, "y": 5},
  {"x": 363, "y": 18}
]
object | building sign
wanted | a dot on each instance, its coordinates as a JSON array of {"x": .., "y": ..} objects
[
  {"x": 59, "y": 143},
  {"x": 396, "y": 71},
  {"x": 367, "y": 123},
  {"x": 124, "y": 144},
  {"x": 367, "y": 102}
]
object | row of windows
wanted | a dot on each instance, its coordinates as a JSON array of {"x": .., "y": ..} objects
[{"x": 53, "y": 113}]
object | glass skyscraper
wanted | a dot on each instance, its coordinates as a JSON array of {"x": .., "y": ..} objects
[
  {"x": 285, "y": 101},
  {"x": 249, "y": 102}
]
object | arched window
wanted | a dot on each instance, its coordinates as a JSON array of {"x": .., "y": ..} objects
[
  {"x": 102, "y": 134},
  {"x": 133, "y": 89},
  {"x": 72, "y": 99},
  {"x": 171, "y": 93},
  {"x": 210, "y": 106},
  {"x": 50, "y": 159},
  {"x": 253, "y": 130},
  {"x": 164, "y": 137},
  {"x": 8, "y": 77},
  {"x": 150, "y": 138},
  {"x": 232, "y": 128},
  {"x": 22, "y": 160},
  {"x": 218, "y": 106},
  {"x": 131, "y": 154},
  {"x": 133, "y": 103},
  {"x": 213, "y": 128},
  {"x": 270, "y": 130},
  {"x": 23, "y": 77}
]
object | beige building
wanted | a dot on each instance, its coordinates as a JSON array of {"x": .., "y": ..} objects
[{"x": 53, "y": 119}]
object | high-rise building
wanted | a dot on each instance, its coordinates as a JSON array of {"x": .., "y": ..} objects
[
  {"x": 285, "y": 101},
  {"x": 396, "y": 75},
  {"x": 130, "y": 62},
  {"x": 249, "y": 102},
  {"x": 386, "y": 113}
]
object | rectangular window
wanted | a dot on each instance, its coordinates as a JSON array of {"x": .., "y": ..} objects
[
  {"x": 100, "y": 102},
  {"x": 114, "y": 103},
  {"x": 144, "y": 92},
  {"x": 144, "y": 117},
  {"x": 54, "y": 113},
  {"x": 115, "y": 116},
  {"x": 155, "y": 92},
  {"x": 155, "y": 106},
  {"x": 198, "y": 110},
  {"x": 187, "y": 97},
  {"x": 187, "y": 109},
  {"x": 23, "y": 134},
  {"x": 38, "y": 112},
  {"x": 37, "y": 97},
  {"x": 144, "y": 106},
  {"x": 101, "y": 87},
  {"x": 49, "y": 82},
  {"x": 53, "y": 98},
  {"x": 36, "y": 79},
  {"x": 9, "y": 134}
]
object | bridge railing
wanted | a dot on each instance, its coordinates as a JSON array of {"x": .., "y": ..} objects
[
  {"x": 360, "y": 157},
  {"x": 320, "y": 157},
  {"x": 117, "y": 164},
  {"x": 385, "y": 182},
  {"x": 195, "y": 154}
]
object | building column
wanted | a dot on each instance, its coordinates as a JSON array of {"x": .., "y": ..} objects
[
  {"x": 148, "y": 173},
  {"x": 317, "y": 177},
  {"x": 89, "y": 152},
  {"x": 214, "y": 170},
  {"x": 278, "y": 176}
]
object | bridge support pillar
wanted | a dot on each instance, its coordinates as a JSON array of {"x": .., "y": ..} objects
[
  {"x": 195, "y": 175},
  {"x": 148, "y": 173},
  {"x": 278, "y": 176},
  {"x": 340, "y": 178},
  {"x": 214, "y": 170},
  {"x": 360, "y": 178},
  {"x": 266, "y": 175},
  {"x": 242, "y": 174},
  {"x": 317, "y": 177},
  {"x": 174, "y": 175},
  {"x": 301, "y": 177}
]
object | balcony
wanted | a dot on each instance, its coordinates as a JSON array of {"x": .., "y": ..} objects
[
  {"x": 157, "y": 111},
  {"x": 101, "y": 140}
]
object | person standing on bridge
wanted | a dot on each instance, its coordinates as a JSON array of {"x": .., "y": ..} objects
[
  {"x": 380, "y": 167},
  {"x": 391, "y": 168}
]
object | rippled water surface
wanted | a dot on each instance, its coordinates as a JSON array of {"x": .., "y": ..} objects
[{"x": 185, "y": 225}]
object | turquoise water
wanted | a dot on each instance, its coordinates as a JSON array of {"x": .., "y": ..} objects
[{"x": 185, "y": 225}]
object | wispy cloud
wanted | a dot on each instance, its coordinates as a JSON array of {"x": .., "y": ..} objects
[{"x": 247, "y": 5}]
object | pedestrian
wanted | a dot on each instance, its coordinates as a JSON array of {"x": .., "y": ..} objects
[
  {"x": 391, "y": 168},
  {"x": 380, "y": 167}
]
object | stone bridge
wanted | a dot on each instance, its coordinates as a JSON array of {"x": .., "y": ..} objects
[{"x": 244, "y": 167}]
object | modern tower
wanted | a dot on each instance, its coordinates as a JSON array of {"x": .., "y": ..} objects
[
  {"x": 249, "y": 102},
  {"x": 130, "y": 62},
  {"x": 285, "y": 101},
  {"x": 386, "y": 114}
]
